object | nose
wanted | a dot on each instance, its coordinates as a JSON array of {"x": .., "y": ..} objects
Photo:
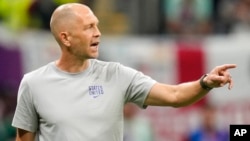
[{"x": 97, "y": 32}]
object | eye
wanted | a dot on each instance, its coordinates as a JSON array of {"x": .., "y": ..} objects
[
  {"x": 88, "y": 26},
  {"x": 91, "y": 25}
]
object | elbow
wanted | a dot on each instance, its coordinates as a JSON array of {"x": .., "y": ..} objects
[{"x": 178, "y": 104}]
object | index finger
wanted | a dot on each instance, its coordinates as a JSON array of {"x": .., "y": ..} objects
[{"x": 228, "y": 66}]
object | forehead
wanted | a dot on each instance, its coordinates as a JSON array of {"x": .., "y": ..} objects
[{"x": 86, "y": 15}]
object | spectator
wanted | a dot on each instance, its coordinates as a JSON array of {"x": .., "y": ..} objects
[
  {"x": 7, "y": 102},
  {"x": 136, "y": 128},
  {"x": 188, "y": 16},
  {"x": 40, "y": 11},
  {"x": 242, "y": 16},
  {"x": 208, "y": 130},
  {"x": 14, "y": 14}
]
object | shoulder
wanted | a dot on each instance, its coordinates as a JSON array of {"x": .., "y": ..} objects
[
  {"x": 37, "y": 72},
  {"x": 100, "y": 63},
  {"x": 104, "y": 65},
  {"x": 111, "y": 66}
]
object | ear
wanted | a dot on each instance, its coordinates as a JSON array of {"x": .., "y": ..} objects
[{"x": 65, "y": 38}]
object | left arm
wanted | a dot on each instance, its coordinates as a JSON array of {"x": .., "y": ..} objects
[{"x": 190, "y": 92}]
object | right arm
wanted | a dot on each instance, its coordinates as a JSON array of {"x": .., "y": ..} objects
[
  {"x": 187, "y": 93},
  {"x": 23, "y": 135}
]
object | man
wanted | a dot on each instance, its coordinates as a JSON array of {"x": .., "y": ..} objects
[
  {"x": 78, "y": 97},
  {"x": 207, "y": 131},
  {"x": 136, "y": 127}
]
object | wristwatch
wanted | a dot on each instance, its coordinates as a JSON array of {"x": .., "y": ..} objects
[{"x": 203, "y": 85}]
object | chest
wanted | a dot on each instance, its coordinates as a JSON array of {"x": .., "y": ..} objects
[{"x": 70, "y": 103}]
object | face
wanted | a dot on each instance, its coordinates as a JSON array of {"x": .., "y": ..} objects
[{"x": 83, "y": 35}]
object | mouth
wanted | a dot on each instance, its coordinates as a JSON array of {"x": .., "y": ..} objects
[{"x": 94, "y": 44}]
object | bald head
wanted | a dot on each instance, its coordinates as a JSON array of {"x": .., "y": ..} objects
[{"x": 65, "y": 16}]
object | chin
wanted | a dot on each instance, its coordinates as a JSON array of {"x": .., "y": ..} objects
[{"x": 94, "y": 56}]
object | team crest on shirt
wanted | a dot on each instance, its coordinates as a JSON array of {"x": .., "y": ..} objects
[{"x": 95, "y": 91}]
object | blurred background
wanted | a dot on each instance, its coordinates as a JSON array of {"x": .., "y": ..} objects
[{"x": 172, "y": 41}]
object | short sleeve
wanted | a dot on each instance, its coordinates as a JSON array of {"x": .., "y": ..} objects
[
  {"x": 25, "y": 116},
  {"x": 139, "y": 88}
]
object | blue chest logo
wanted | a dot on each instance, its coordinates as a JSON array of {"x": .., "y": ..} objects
[{"x": 95, "y": 91}]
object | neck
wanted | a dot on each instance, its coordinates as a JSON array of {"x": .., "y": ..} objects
[{"x": 72, "y": 66}]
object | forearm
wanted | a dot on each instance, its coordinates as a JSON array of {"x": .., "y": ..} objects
[
  {"x": 175, "y": 95},
  {"x": 189, "y": 93},
  {"x": 23, "y": 135}
]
